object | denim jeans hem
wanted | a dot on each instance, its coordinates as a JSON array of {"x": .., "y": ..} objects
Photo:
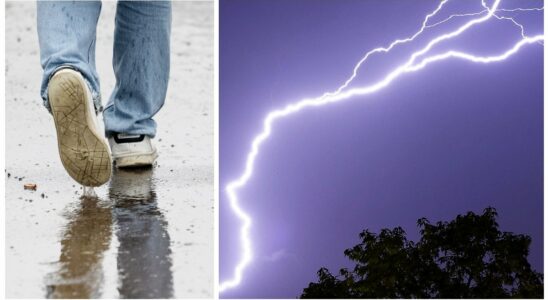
[{"x": 95, "y": 95}]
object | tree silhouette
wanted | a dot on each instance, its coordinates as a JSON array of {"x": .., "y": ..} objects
[{"x": 468, "y": 257}]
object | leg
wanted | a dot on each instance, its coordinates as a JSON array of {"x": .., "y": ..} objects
[
  {"x": 141, "y": 66},
  {"x": 70, "y": 87},
  {"x": 66, "y": 34}
]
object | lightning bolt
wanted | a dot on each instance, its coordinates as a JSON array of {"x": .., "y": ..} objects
[
  {"x": 522, "y": 9},
  {"x": 417, "y": 61},
  {"x": 522, "y": 29}
]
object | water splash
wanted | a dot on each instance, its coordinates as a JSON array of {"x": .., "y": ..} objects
[{"x": 89, "y": 192}]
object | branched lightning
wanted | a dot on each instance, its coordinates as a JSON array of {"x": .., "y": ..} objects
[
  {"x": 522, "y": 9},
  {"x": 519, "y": 25},
  {"x": 455, "y": 16},
  {"x": 417, "y": 61}
]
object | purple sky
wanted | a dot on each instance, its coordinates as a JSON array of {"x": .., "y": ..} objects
[{"x": 451, "y": 138}]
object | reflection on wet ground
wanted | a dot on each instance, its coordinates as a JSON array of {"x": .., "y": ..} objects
[
  {"x": 87, "y": 236},
  {"x": 144, "y": 254}
]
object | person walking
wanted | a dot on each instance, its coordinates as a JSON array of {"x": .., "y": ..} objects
[{"x": 70, "y": 84}]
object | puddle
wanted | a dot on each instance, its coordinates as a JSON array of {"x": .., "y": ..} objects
[
  {"x": 87, "y": 236},
  {"x": 143, "y": 254}
]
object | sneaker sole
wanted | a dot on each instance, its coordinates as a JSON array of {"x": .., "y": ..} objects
[
  {"x": 83, "y": 151},
  {"x": 143, "y": 160}
]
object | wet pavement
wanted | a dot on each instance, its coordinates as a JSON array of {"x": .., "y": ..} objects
[{"x": 149, "y": 232}]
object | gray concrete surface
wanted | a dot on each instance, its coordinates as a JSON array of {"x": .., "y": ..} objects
[{"x": 150, "y": 232}]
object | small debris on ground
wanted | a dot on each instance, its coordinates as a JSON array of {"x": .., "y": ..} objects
[{"x": 30, "y": 186}]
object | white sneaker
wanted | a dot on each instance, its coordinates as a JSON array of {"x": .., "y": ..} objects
[
  {"x": 132, "y": 150},
  {"x": 82, "y": 147}
]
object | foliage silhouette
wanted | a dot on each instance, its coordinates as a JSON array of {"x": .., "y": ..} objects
[{"x": 468, "y": 257}]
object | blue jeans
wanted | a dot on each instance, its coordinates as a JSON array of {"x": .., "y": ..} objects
[{"x": 66, "y": 32}]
